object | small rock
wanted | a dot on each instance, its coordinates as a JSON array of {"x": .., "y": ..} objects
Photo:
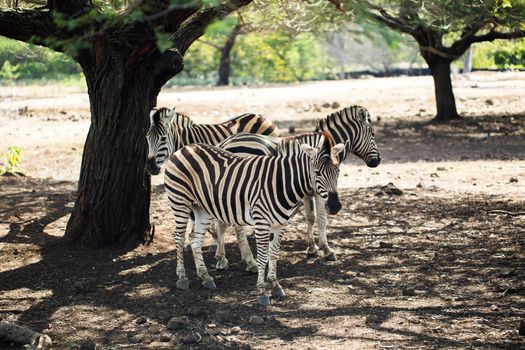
[
  {"x": 494, "y": 307},
  {"x": 211, "y": 325},
  {"x": 256, "y": 320},
  {"x": 137, "y": 338},
  {"x": 191, "y": 339},
  {"x": 408, "y": 291},
  {"x": 434, "y": 175},
  {"x": 441, "y": 168},
  {"x": 385, "y": 245},
  {"x": 235, "y": 330},
  {"x": 391, "y": 189},
  {"x": 373, "y": 320},
  {"x": 176, "y": 323},
  {"x": 194, "y": 311},
  {"x": 80, "y": 287},
  {"x": 521, "y": 329},
  {"x": 141, "y": 320},
  {"x": 335, "y": 105},
  {"x": 165, "y": 338},
  {"x": 489, "y": 102},
  {"x": 419, "y": 185},
  {"x": 88, "y": 345},
  {"x": 326, "y": 105},
  {"x": 222, "y": 316},
  {"x": 513, "y": 179},
  {"x": 291, "y": 129}
]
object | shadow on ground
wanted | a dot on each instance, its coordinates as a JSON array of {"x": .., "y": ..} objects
[{"x": 413, "y": 271}]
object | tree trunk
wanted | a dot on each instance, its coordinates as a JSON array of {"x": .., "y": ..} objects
[
  {"x": 113, "y": 199},
  {"x": 445, "y": 100},
  {"x": 225, "y": 62}
]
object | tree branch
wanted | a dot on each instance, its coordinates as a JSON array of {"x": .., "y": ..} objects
[
  {"x": 25, "y": 25},
  {"x": 460, "y": 46},
  {"x": 384, "y": 17},
  {"x": 193, "y": 27},
  {"x": 209, "y": 44}
]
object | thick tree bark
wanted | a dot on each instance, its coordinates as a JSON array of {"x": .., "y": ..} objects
[
  {"x": 225, "y": 62},
  {"x": 112, "y": 206},
  {"x": 445, "y": 100},
  {"x": 124, "y": 71}
]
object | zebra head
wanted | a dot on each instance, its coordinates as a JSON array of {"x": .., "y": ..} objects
[
  {"x": 162, "y": 138},
  {"x": 326, "y": 172},
  {"x": 353, "y": 124}
]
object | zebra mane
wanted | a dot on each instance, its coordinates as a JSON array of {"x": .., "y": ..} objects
[
  {"x": 347, "y": 113},
  {"x": 182, "y": 120},
  {"x": 289, "y": 146}
]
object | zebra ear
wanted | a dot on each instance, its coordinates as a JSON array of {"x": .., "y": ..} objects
[
  {"x": 309, "y": 150},
  {"x": 338, "y": 151},
  {"x": 168, "y": 116}
]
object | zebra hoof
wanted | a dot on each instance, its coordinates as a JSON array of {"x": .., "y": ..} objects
[
  {"x": 263, "y": 300},
  {"x": 209, "y": 284},
  {"x": 330, "y": 257},
  {"x": 252, "y": 269},
  {"x": 187, "y": 249},
  {"x": 222, "y": 264},
  {"x": 212, "y": 248},
  {"x": 278, "y": 292},
  {"x": 183, "y": 283},
  {"x": 312, "y": 250}
]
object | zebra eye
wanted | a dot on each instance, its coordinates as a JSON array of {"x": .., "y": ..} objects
[
  {"x": 317, "y": 173},
  {"x": 163, "y": 138}
]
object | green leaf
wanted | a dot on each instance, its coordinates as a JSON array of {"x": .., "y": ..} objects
[{"x": 164, "y": 41}]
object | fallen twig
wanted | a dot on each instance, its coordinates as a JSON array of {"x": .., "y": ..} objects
[{"x": 517, "y": 213}]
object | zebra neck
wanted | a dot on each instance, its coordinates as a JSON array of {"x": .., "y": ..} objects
[{"x": 294, "y": 174}]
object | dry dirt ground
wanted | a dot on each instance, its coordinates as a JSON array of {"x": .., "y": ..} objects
[{"x": 431, "y": 268}]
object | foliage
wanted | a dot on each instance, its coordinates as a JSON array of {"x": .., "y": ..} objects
[
  {"x": 25, "y": 61},
  {"x": 500, "y": 54},
  {"x": 11, "y": 160}
]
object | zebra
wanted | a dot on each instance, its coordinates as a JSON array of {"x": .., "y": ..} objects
[
  {"x": 170, "y": 131},
  {"x": 350, "y": 125},
  {"x": 259, "y": 191}
]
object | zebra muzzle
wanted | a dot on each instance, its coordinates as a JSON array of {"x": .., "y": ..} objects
[
  {"x": 152, "y": 168},
  {"x": 373, "y": 162},
  {"x": 333, "y": 204}
]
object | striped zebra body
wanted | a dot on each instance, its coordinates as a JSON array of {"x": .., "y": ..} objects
[
  {"x": 170, "y": 131},
  {"x": 350, "y": 125},
  {"x": 259, "y": 191}
]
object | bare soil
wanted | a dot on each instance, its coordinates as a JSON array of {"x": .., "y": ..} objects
[{"x": 432, "y": 268}]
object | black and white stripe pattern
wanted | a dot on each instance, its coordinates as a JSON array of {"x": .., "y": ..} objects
[
  {"x": 353, "y": 123},
  {"x": 350, "y": 125},
  {"x": 259, "y": 191},
  {"x": 170, "y": 131}
]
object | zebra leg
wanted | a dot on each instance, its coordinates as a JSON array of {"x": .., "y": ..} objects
[
  {"x": 202, "y": 222},
  {"x": 327, "y": 252},
  {"x": 244, "y": 247},
  {"x": 262, "y": 237},
  {"x": 309, "y": 212},
  {"x": 220, "y": 254},
  {"x": 181, "y": 223},
  {"x": 213, "y": 231},
  {"x": 189, "y": 235},
  {"x": 273, "y": 257}
]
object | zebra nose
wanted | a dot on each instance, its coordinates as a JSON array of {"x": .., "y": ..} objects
[
  {"x": 333, "y": 205},
  {"x": 151, "y": 167},
  {"x": 373, "y": 162}
]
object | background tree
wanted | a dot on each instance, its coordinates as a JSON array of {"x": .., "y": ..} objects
[
  {"x": 127, "y": 53},
  {"x": 226, "y": 32},
  {"x": 444, "y": 30}
]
